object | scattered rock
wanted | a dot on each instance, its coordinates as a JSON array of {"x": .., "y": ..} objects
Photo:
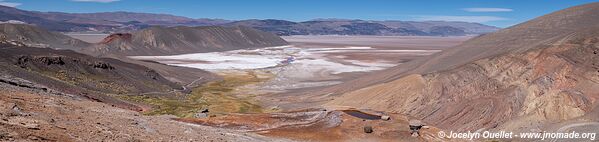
[
  {"x": 386, "y": 117},
  {"x": 29, "y": 124},
  {"x": 23, "y": 61},
  {"x": 204, "y": 111},
  {"x": 52, "y": 60},
  {"x": 152, "y": 74},
  {"x": 415, "y": 134},
  {"x": 15, "y": 107},
  {"x": 201, "y": 115},
  {"x": 4, "y": 135},
  {"x": 368, "y": 129},
  {"x": 102, "y": 65},
  {"x": 14, "y": 110},
  {"x": 275, "y": 108},
  {"x": 415, "y": 126}
]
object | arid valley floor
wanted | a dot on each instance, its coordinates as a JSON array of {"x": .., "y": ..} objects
[
  {"x": 131, "y": 75},
  {"x": 268, "y": 88}
]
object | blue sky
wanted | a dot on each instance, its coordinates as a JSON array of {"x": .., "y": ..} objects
[{"x": 502, "y": 13}]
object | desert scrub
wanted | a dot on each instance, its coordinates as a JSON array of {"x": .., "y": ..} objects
[
  {"x": 88, "y": 81},
  {"x": 177, "y": 107},
  {"x": 218, "y": 96},
  {"x": 61, "y": 75}
]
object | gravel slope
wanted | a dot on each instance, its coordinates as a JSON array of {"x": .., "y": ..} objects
[{"x": 33, "y": 115}]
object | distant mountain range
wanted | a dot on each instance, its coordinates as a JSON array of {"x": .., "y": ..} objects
[
  {"x": 154, "y": 40},
  {"x": 98, "y": 22},
  {"x": 110, "y": 22}
]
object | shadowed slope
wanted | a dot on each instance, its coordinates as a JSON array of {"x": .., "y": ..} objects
[{"x": 79, "y": 74}]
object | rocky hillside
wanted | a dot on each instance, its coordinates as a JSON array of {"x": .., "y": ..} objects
[
  {"x": 28, "y": 114},
  {"x": 78, "y": 74},
  {"x": 180, "y": 40},
  {"x": 362, "y": 27},
  {"x": 528, "y": 76},
  {"x": 36, "y": 37}
]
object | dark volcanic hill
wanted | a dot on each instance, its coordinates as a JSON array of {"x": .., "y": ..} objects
[
  {"x": 36, "y": 37},
  {"x": 542, "y": 74},
  {"x": 180, "y": 40},
  {"x": 79, "y": 74},
  {"x": 361, "y": 27},
  {"x": 32, "y": 36}
]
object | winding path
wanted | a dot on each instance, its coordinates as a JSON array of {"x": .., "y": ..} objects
[{"x": 175, "y": 90}]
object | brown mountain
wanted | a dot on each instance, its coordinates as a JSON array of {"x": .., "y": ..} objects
[
  {"x": 540, "y": 74},
  {"x": 37, "y": 37},
  {"x": 179, "y": 40}
]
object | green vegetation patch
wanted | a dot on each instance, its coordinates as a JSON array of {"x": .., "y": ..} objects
[{"x": 219, "y": 97}]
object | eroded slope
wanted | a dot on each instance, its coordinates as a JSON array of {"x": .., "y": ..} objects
[{"x": 528, "y": 76}]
